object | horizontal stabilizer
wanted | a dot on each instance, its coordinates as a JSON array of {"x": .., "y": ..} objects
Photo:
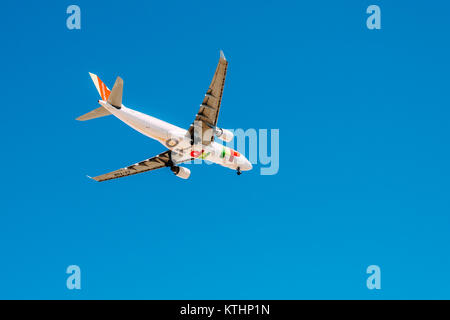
[
  {"x": 115, "y": 97},
  {"x": 97, "y": 113}
]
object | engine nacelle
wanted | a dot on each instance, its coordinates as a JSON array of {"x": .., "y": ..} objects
[
  {"x": 224, "y": 134},
  {"x": 181, "y": 172}
]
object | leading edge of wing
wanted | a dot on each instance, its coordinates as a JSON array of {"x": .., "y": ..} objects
[
  {"x": 166, "y": 159},
  {"x": 160, "y": 161}
]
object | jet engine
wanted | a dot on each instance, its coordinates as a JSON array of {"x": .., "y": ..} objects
[
  {"x": 224, "y": 134},
  {"x": 181, "y": 172}
]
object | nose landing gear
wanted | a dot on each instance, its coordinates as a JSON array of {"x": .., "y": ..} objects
[{"x": 239, "y": 171}]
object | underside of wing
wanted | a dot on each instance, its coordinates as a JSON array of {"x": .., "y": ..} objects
[
  {"x": 210, "y": 107},
  {"x": 160, "y": 161}
]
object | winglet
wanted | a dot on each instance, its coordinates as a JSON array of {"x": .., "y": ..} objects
[
  {"x": 222, "y": 56},
  {"x": 90, "y": 177}
]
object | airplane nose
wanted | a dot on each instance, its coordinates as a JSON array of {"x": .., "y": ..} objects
[{"x": 247, "y": 166}]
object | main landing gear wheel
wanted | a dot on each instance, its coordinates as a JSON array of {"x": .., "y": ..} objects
[{"x": 239, "y": 171}]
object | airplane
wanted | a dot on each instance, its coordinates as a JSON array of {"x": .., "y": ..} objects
[{"x": 183, "y": 145}]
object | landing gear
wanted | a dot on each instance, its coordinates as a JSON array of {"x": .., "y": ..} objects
[{"x": 239, "y": 171}]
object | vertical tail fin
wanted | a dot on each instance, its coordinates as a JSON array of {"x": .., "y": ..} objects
[
  {"x": 104, "y": 93},
  {"x": 102, "y": 89}
]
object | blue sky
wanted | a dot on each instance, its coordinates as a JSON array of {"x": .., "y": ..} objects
[{"x": 364, "y": 160}]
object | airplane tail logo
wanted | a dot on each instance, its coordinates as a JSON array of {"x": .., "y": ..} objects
[{"x": 102, "y": 89}]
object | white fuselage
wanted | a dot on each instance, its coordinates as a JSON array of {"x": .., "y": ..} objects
[{"x": 178, "y": 139}]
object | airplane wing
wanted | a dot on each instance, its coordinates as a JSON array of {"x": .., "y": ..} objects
[
  {"x": 210, "y": 107},
  {"x": 160, "y": 161}
]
